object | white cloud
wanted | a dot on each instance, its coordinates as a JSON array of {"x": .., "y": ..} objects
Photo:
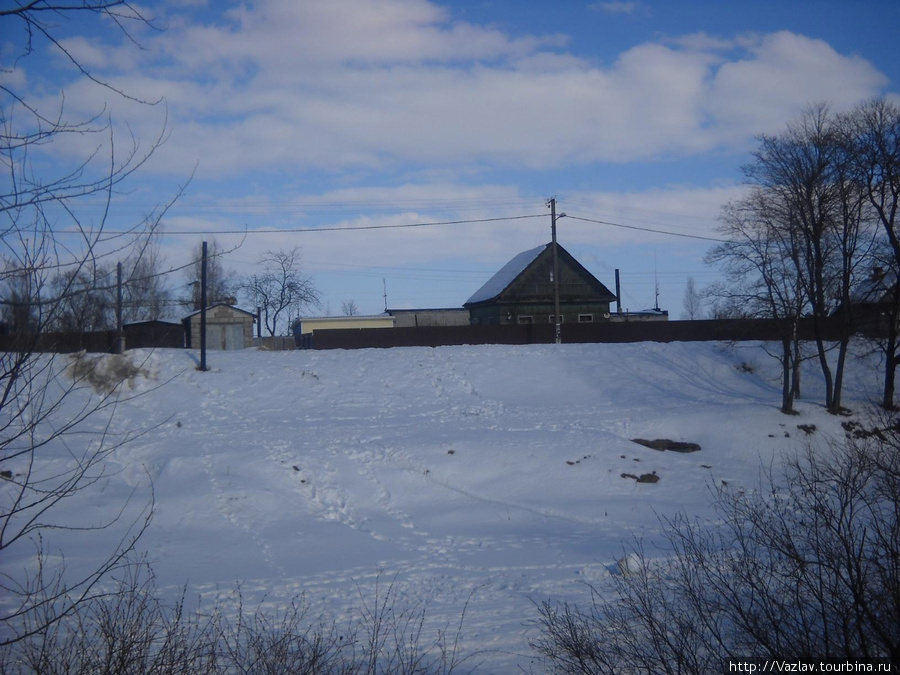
[
  {"x": 365, "y": 85},
  {"x": 780, "y": 74},
  {"x": 286, "y": 36},
  {"x": 430, "y": 99},
  {"x": 618, "y": 6},
  {"x": 88, "y": 53}
]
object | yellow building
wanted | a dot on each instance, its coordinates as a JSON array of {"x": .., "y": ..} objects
[{"x": 303, "y": 329}]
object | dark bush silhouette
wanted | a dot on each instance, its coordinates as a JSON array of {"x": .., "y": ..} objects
[
  {"x": 130, "y": 630},
  {"x": 808, "y": 567}
]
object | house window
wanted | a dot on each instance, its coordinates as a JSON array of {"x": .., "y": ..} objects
[
  {"x": 562, "y": 318},
  {"x": 585, "y": 318},
  {"x": 525, "y": 319}
]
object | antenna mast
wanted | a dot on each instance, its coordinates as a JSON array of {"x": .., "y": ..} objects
[{"x": 655, "y": 284}]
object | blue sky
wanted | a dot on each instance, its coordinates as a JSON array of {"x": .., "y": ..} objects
[{"x": 369, "y": 113}]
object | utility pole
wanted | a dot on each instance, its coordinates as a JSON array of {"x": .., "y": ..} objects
[
  {"x": 557, "y": 317},
  {"x": 120, "y": 339},
  {"x": 203, "y": 310}
]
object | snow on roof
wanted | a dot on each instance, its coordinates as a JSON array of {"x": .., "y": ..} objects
[
  {"x": 505, "y": 276},
  {"x": 875, "y": 286},
  {"x": 220, "y": 304},
  {"x": 345, "y": 317}
]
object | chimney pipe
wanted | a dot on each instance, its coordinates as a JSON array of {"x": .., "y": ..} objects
[{"x": 618, "y": 295}]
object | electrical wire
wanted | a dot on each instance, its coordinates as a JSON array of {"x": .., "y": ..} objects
[
  {"x": 349, "y": 228},
  {"x": 646, "y": 229},
  {"x": 246, "y": 232}
]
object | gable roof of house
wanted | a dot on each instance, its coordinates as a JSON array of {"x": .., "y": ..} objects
[
  {"x": 875, "y": 288},
  {"x": 220, "y": 304},
  {"x": 515, "y": 268},
  {"x": 505, "y": 276}
]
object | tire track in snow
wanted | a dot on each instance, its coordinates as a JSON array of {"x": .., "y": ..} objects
[
  {"x": 321, "y": 480},
  {"x": 232, "y": 502},
  {"x": 447, "y": 382},
  {"x": 543, "y": 513},
  {"x": 228, "y": 503}
]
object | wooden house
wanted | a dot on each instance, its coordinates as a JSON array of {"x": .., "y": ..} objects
[
  {"x": 874, "y": 302},
  {"x": 522, "y": 291}
]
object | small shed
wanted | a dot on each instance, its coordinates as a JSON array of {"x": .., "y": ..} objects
[
  {"x": 227, "y": 327},
  {"x": 153, "y": 334},
  {"x": 523, "y": 291}
]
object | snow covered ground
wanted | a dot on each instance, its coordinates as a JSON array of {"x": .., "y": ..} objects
[{"x": 483, "y": 477}]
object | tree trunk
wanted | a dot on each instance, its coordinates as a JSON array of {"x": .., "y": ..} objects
[
  {"x": 835, "y": 408},
  {"x": 890, "y": 369},
  {"x": 787, "y": 370},
  {"x": 798, "y": 359},
  {"x": 890, "y": 352},
  {"x": 890, "y": 363},
  {"x": 823, "y": 363}
]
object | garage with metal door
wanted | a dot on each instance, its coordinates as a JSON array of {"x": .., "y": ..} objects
[{"x": 227, "y": 327}]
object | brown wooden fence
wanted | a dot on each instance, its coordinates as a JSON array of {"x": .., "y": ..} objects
[
  {"x": 149, "y": 335},
  {"x": 638, "y": 331},
  {"x": 159, "y": 335},
  {"x": 61, "y": 343}
]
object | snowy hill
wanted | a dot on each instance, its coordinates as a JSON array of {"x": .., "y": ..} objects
[{"x": 488, "y": 475}]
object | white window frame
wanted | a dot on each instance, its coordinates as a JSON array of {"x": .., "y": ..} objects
[{"x": 585, "y": 318}]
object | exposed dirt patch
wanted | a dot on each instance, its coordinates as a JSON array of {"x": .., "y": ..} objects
[
  {"x": 643, "y": 478},
  {"x": 663, "y": 444},
  {"x": 573, "y": 462},
  {"x": 104, "y": 372},
  {"x": 857, "y": 430}
]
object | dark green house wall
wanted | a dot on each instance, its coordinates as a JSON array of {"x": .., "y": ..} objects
[{"x": 530, "y": 294}]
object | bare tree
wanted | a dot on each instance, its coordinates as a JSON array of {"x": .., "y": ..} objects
[
  {"x": 349, "y": 308},
  {"x": 793, "y": 170},
  {"x": 20, "y": 304},
  {"x": 280, "y": 288},
  {"x": 871, "y": 134},
  {"x": 220, "y": 284},
  {"x": 761, "y": 281},
  {"x": 86, "y": 299},
  {"x": 52, "y": 251},
  {"x": 146, "y": 295},
  {"x": 693, "y": 301},
  {"x": 813, "y": 220}
]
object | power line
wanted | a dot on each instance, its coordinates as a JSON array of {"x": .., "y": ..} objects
[
  {"x": 350, "y": 228},
  {"x": 647, "y": 229}
]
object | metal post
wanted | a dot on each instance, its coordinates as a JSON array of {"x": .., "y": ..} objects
[
  {"x": 120, "y": 339},
  {"x": 618, "y": 295},
  {"x": 203, "y": 310},
  {"x": 555, "y": 272}
]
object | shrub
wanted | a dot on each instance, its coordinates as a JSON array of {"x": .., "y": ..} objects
[
  {"x": 807, "y": 568},
  {"x": 129, "y": 630}
]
